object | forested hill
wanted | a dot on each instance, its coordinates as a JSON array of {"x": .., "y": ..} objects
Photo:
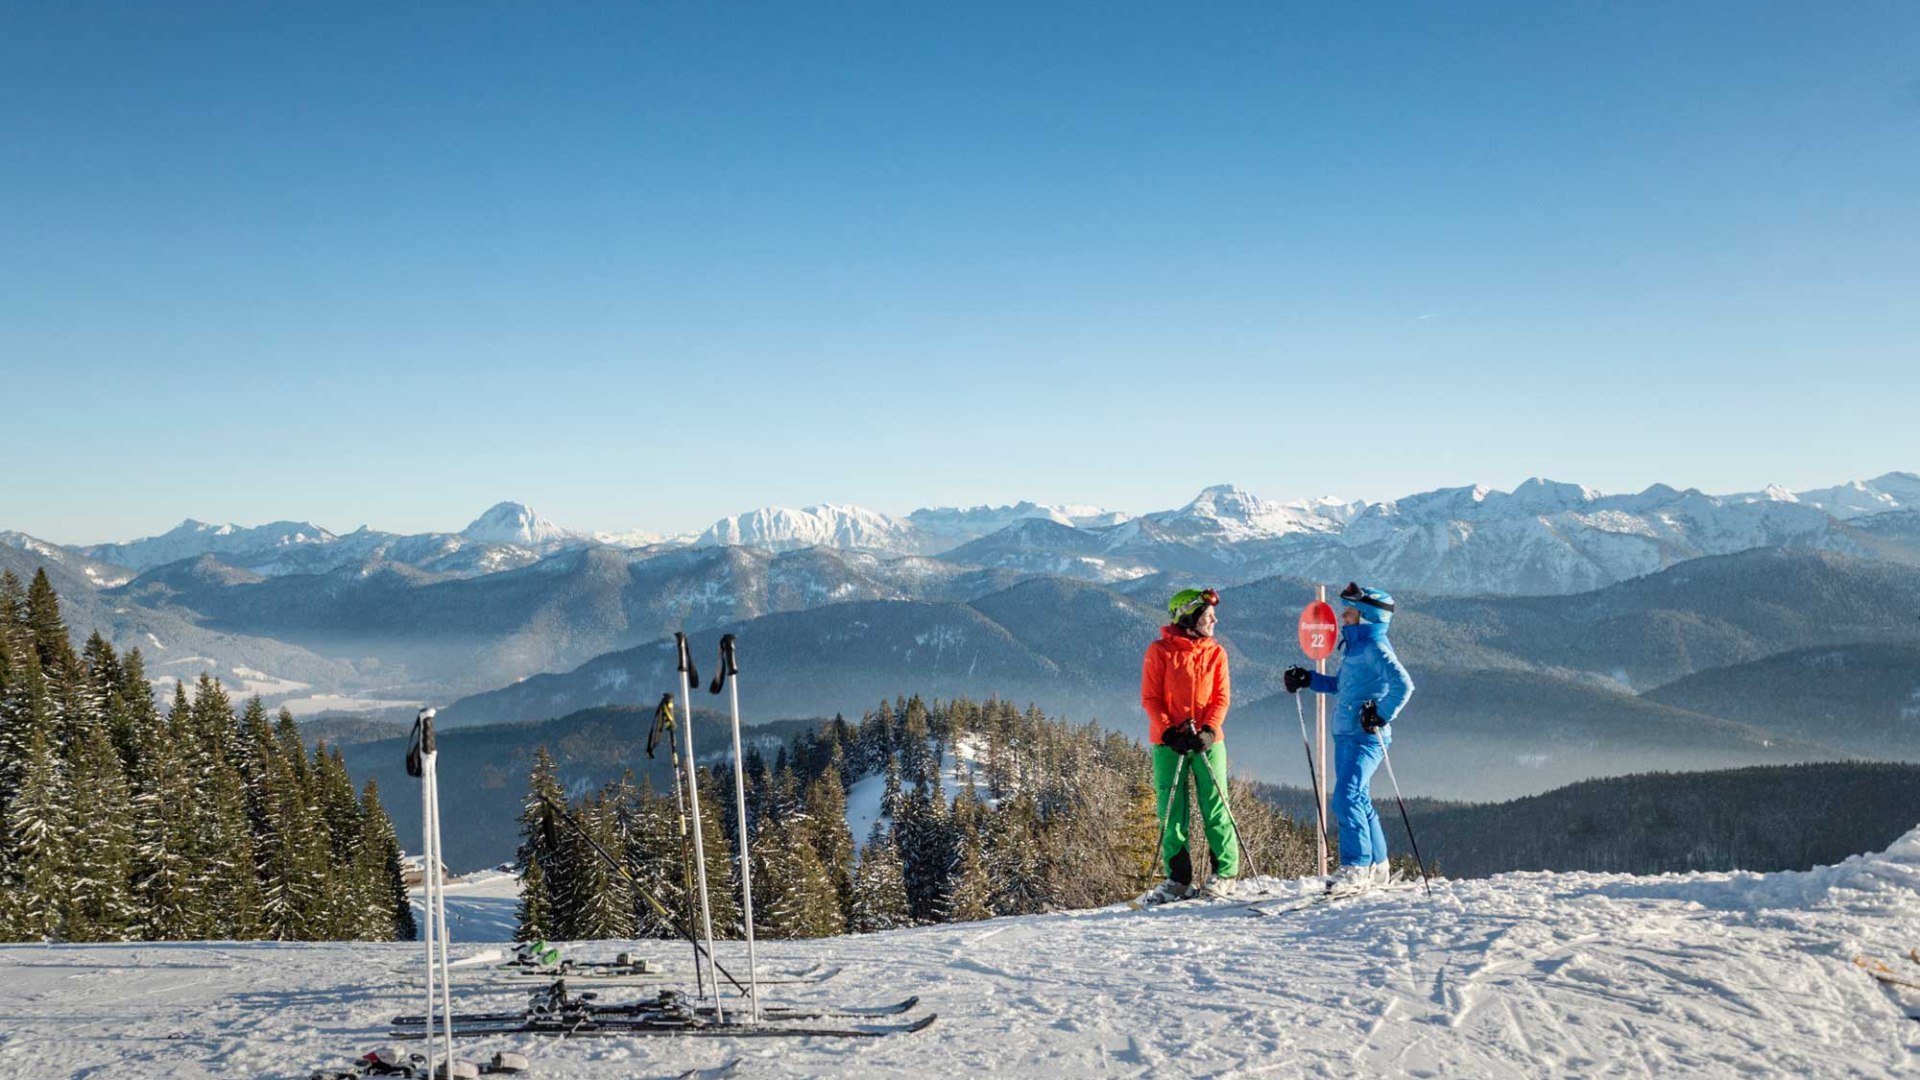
[{"x": 1766, "y": 818}]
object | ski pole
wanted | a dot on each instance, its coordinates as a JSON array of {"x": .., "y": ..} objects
[
  {"x": 1166, "y": 812},
  {"x": 688, "y": 678},
  {"x": 1313, "y": 774},
  {"x": 1227, "y": 805},
  {"x": 1417, "y": 861},
  {"x": 730, "y": 666},
  {"x": 639, "y": 887},
  {"x": 663, "y": 722},
  {"x": 421, "y": 756}
]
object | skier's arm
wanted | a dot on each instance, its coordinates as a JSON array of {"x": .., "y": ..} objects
[
  {"x": 1323, "y": 684},
  {"x": 1399, "y": 685},
  {"x": 1216, "y": 710},
  {"x": 1153, "y": 685}
]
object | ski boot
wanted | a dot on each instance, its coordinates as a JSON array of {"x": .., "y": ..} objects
[{"x": 1167, "y": 892}]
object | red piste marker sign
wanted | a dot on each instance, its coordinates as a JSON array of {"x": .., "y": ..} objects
[{"x": 1319, "y": 630}]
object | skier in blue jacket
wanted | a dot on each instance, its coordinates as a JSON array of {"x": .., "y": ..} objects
[{"x": 1369, "y": 692}]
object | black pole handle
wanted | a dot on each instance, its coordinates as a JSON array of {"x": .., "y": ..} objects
[
  {"x": 729, "y": 664},
  {"x": 422, "y": 742},
  {"x": 686, "y": 659},
  {"x": 662, "y": 721}
]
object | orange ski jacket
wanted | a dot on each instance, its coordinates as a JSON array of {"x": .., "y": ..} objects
[{"x": 1184, "y": 677}]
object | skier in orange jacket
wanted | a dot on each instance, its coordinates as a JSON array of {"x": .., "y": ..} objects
[{"x": 1185, "y": 690}]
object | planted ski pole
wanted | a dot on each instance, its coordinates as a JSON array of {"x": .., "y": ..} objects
[
  {"x": 639, "y": 887},
  {"x": 730, "y": 669},
  {"x": 422, "y": 762},
  {"x": 1313, "y": 773},
  {"x": 1226, "y": 804},
  {"x": 689, "y": 678},
  {"x": 1415, "y": 844},
  {"x": 663, "y": 724},
  {"x": 1166, "y": 815}
]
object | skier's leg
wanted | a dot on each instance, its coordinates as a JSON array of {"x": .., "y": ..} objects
[
  {"x": 1375, "y": 838},
  {"x": 1210, "y": 771},
  {"x": 1352, "y": 800},
  {"x": 1167, "y": 767}
]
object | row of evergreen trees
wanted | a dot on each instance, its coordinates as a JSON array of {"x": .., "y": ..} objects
[
  {"x": 985, "y": 810},
  {"x": 120, "y": 823}
]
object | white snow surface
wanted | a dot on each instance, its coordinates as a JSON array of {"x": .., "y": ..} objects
[{"x": 1516, "y": 976}]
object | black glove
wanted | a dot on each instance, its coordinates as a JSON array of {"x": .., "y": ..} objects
[
  {"x": 1370, "y": 719},
  {"x": 1205, "y": 738},
  {"x": 1297, "y": 679},
  {"x": 1181, "y": 739}
]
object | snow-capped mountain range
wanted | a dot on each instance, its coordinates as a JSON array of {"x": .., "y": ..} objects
[{"x": 1543, "y": 537}]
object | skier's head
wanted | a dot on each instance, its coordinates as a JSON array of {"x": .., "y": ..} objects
[
  {"x": 1365, "y": 605},
  {"x": 1192, "y": 610}
]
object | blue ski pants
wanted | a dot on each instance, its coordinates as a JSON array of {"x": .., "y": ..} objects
[{"x": 1362, "y": 841}]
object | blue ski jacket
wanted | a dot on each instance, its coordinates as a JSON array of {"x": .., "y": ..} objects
[{"x": 1370, "y": 672}]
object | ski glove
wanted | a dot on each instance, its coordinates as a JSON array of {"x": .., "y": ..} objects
[
  {"x": 1182, "y": 739},
  {"x": 1297, "y": 679},
  {"x": 1205, "y": 738},
  {"x": 1370, "y": 719}
]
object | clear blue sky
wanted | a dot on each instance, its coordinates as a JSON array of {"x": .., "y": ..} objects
[{"x": 644, "y": 264}]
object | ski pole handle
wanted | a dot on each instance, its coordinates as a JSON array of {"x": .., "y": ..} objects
[
  {"x": 662, "y": 721},
  {"x": 686, "y": 659},
  {"x": 729, "y": 665}
]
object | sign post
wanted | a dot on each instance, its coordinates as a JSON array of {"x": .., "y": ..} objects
[{"x": 1319, "y": 631}]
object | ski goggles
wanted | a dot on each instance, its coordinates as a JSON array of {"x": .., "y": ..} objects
[
  {"x": 1207, "y": 598},
  {"x": 1354, "y": 594}
]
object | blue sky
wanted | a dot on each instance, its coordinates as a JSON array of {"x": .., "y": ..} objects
[{"x": 641, "y": 265}]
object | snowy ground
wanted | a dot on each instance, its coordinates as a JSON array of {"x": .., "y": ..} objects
[{"x": 1523, "y": 975}]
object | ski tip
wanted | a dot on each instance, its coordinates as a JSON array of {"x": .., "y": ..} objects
[
  {"x": 910, "y": 1003},
  {"x": 921, "y": 1024}
]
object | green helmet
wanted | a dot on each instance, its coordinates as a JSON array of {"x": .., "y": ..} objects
[{"x": 1187, "y": 604}]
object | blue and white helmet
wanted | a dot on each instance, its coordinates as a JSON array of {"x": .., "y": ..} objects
[{"x": 1374, "y": 605}]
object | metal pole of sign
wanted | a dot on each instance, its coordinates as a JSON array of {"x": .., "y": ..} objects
[{"x": 1320, "y": 719}]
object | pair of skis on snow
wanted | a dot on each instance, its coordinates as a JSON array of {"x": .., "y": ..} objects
[
  {"x": 1908, "y": 978},
  {"x": 558, "y": 1012},
  {"x": 396, "y": 1062},
  {"x": 1269, "y": 904}
]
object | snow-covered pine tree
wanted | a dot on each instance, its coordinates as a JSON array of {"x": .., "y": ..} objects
[
  {"x": 99, "y": 901},
  {"x": 387, "y": 916},
  {"x": 540, "y": 846},
  {"x": 879, "y": 886},
  {"x": 792, "y": 895},
  {"x": 605, "y": 899},
  {"x": 826, "y": 820},
  {"x": 36, "y": 832}
]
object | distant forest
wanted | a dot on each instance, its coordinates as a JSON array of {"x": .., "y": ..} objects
[
  {"x": 1780, "y": 817},
  {"x": 985, "y": 810}
]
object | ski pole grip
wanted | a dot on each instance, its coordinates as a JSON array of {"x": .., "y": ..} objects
[
  {"x": 729, "y": 664},
  {"x": 686, "y": 659}
]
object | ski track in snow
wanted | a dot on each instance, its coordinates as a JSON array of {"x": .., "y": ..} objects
[{"x": 1519, "y": 976}]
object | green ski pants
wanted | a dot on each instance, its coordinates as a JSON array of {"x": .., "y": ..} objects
[{"x": 1208, "y": 771}]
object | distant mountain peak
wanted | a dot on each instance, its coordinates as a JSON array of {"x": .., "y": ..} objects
[{"x": 517, "y": 524}]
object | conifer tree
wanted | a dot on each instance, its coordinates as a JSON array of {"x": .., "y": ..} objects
[
  {"x": 533, "y": 911},
  {"x": 826, "y": 822},
  {"x": 36, "y": 833},
  {"x": 880, "y": 888},
  {"x": 99, "y": 900},
  {"x": 793, "y": 896},
  {"x": 388, "y": 914},
  {"x": 969, "y": 894}
]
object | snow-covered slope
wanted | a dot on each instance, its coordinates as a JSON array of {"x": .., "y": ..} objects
[{"x": 1515, "y": 976}]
